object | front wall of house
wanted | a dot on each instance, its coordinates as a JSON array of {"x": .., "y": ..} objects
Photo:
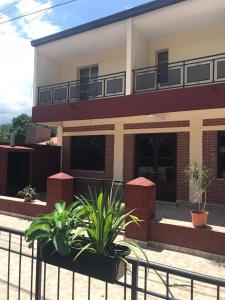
[
  {"x": 196, "y": 133},
  {"x": 216, "y": 192}
]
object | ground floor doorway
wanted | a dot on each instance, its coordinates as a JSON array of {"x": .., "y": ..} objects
[
  {"x": 155, "y": 159},
  {"x": 18, "y": 172}
]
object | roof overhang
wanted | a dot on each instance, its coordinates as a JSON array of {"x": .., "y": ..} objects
[{"x": 136, "y": 11}]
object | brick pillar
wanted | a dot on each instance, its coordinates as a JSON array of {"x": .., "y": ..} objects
[
  {"x": 140, "y": 195},
  {"x": 59, "y": 188}
]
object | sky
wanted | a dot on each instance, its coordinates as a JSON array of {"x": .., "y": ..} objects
[{"x": 16, "y": 53}]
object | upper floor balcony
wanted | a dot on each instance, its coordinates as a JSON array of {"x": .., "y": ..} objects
[
  {"x": 181, "y": 74},
  {"x": 125, "y": 59},
  {"x": 84, "y": 89}
]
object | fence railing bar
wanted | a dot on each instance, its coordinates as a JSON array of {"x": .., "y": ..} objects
[
  {"x": 11, "y": 230},
  {"x": 180, "y": 272},
  {"x": 218, "y": 293},
  {"x": 31, "y": 272},
  {"x": 145, "y": 283},
  {"x": 134, "y": 281},
  {"x": 73, "y": 285},
  {"x": 125, "y": 283},
  {"x": 44, "y": 282},
  {"x": 9, "y": 256},
  {"x": 192, "y": 289},
  {"x": 154, "y": 294},
  {"x": 204, "y": 58},
  {"x": 38, "y": 276},
  {"x": 58, "y": 284},
  {"x": 106, "y": 291},
  {"x": 89, "y": 287},
  {"x": 20, "y": 261},
  {"x": 17, "y": 252},
  {"x": 167, "y": 285}
]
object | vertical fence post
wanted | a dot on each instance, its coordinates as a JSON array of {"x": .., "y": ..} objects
[
  {"x": 134, "y": 281},
  {"x": 38, "y": 275}
]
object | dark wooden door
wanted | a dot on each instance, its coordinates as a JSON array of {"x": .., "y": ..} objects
[
  {"x": 18, "y": 172},
  {"x": 156, "y": 160}
]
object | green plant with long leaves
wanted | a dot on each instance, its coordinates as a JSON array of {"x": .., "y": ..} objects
[
  {"x": 201, "y": 180},
  {"x": 55, "y": 227},
  {"x": 102, "y": 219}
]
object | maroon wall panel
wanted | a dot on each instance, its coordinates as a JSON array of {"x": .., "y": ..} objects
[{"x": 182, "y": 99}]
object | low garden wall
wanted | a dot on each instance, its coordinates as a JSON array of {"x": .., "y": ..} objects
[{"x": 18, "y": 206}]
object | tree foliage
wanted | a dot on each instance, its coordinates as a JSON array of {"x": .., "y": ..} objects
[
  {"x": 4, "y": 132},
  {"x": 19, "y": 125}
]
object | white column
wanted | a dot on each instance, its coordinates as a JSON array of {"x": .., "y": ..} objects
[
  {"x": 35, "y": 93},
  {"x": 129, "y": 76},
  {"x": 196, "y": 136},
  {"x": 118, "y": 152}
]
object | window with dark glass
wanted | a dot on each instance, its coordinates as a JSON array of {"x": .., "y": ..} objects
[
  {"x": 88, "y": 82},
  {"x": 162, "y": 61},
  {"x": 88, "y": 153},
  {"x": 221, "y": 154}
]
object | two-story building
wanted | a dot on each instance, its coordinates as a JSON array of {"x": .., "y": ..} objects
[{"x": 139, "y": 93}]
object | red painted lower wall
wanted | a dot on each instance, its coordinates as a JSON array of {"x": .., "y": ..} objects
[
  {"x": 202, "y": 239},
  {"x": 20, "y": 207}
]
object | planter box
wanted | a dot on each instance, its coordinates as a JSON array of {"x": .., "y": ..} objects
[{"x": 106, "y": 268}]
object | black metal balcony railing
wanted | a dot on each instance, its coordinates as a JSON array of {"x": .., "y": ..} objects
[
  {"x": 24, "y": 276},
  {"x": 198, "y": 71},
  {"x": 98, "y": 87}
]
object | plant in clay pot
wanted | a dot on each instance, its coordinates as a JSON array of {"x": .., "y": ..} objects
[
  {"x": 201, "y": 180},
  {"x": 28, "y": 193}
]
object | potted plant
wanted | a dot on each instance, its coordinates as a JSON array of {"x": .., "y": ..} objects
[
  {"x": 84, "y": 237},
  {"x": 28, "y": 193},
  {"x": 201, "y": 181}
]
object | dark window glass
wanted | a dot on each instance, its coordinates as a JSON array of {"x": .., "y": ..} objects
[
  {"x": 87, "y": 77},
  {"x": 221, "y": 154},
  {"x": 88, "y": 153},
  {"x": 162, "y": 74}
]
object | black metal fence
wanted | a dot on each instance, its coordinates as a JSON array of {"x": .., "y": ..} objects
[
  {"x": 24, "y": 276},
  {"x": 197, "y": 71},
  {"x": 83, "y": 186},
  {"x": 98, "y": 87}
]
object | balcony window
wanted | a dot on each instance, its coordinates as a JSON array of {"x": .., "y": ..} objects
[
  {"x": 88, "y": 153},
  {"x": 162, "y": 72},
  {"x": 221, "y": 154},
  {"x": 88, "y": 82}
]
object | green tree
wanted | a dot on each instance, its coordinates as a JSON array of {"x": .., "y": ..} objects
[
  {"x": 19, "y": 125},
  {"x": 4, "y": 132}
]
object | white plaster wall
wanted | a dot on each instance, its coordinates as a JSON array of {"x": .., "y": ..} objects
[
  {"x": 140, "y": 50},
  {"x": 203, "y": 42},
  {"x": 47, "y": 69},
  {"x": 108, "y": 63}
]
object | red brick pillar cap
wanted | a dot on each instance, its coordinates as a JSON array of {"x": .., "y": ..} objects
[
  {"x": 141, "y": 181},
  {"x": 61, "y": 176}
]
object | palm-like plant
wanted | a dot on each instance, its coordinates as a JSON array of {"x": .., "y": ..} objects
[
  {"x": 102, "y": 220},
  {"x": 201, "y": 180}
]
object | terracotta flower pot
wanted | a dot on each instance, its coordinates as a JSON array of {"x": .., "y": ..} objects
[
  {"x": 199, "y": 218},
  {"x": 27, "y": 199}
]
